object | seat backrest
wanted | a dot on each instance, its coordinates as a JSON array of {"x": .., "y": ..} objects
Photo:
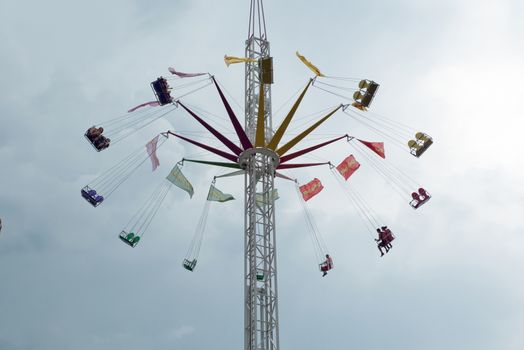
[
  {"x": 421, "y": 136},
  {"x": 413, "y": 144}
]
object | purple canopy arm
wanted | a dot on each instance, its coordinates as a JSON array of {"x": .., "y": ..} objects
[
  {"x": 231, "y": 157},
  {"x": 234, "y": 148},
  {"x": 244, "y": 140}
]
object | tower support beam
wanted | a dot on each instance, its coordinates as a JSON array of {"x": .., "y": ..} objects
[{"x": 261, "y": 328}]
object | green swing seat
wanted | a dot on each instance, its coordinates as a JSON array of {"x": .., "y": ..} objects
[{"x": 129, "y": 238}]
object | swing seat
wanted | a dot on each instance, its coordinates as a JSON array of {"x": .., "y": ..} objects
[
  {"x": 368, "y": 90},
  {"x": 324, "y": 267},
  {"x": 189, "y": 264},
  {"x": 91, "y": 140},
  {"x": 129, "y": 238},
  {"x": 91, "y": 196},
  {"x": 389, "y": 238},
  {"x": 419, "y": 146},
  {"x": 260, "y": 275},
  {"x": 419, "y": 198},
  {"x": 97, "y": 139},
  {"x": 161, "y": 90}
]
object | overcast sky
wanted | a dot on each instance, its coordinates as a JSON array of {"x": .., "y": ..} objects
[{"x": 454, "y": 277}]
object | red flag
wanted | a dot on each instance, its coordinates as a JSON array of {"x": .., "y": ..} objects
[
  {"x": 151, "y": 103},
  {"x": 311, "y": 189},
  {"x": 151, "y": 151},
  {"x": 348, "y": 167},
  {"x": 377, "y": 147}
]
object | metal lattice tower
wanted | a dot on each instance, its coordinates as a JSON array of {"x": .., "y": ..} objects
[{"x": 260, "y": 263}]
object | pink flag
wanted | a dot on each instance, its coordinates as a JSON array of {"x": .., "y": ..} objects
[
  {"x": 377, "y": 147},
  {"x": 150, "y": 103},
  {"x": 311, "y": 189},
  {"x": 184, "y": 75},
  {"x": 151, "y": 151},
  {"x": 348, "y": 167}
]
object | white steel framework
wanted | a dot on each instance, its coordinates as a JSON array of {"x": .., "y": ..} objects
[{"x": 260, "y": 262}]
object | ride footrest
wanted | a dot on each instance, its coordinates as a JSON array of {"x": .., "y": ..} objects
[{"x": 129, "y": 238}]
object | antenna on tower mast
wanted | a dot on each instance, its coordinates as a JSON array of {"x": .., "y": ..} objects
[{"x": 257, "y": 20}]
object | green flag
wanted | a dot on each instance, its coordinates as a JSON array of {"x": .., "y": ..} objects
[
  {"x": 179, "y": 180},
  {"x": 217, "y": 196},
  {"x": 273, "y": 196}
]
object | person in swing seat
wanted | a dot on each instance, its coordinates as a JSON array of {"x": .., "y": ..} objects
[
  {"x": 382, "y": 240},
  {"x": 326, "y": 265}
]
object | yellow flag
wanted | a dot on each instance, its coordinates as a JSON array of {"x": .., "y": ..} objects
[
  {"x": 231, "y": 59},
  {"x": 310, "y": 65}
]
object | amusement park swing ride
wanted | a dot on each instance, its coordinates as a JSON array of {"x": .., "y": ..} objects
[{"x": 260, "y": 155}]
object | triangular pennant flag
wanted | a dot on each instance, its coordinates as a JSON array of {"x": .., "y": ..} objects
[
  {"x": 377, "y": 147},
  {"x": 151, "y": 151},
  {"x": 311, "y": 189},
  {"x": 179, "y": 180},
  {"x": 348, "y": 166},
  {"x": 215, "y": 195},
  {"x": 273, "y": 196}
]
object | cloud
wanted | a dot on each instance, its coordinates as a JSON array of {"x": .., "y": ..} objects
[{"x": 182, "y": 332}]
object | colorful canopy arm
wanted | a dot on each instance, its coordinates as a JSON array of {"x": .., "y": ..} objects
[
  {"x": 282, "y": 176},
  {"x": 273, "y": 144},
  {"x": 221, "y": 164},
  {"x": 244, "y": 140},
  {"x": 234, "y": 173},
  {"x": 260, "y": 136},
  {"x": 300, "y": 165},
  {"x": 234, "y": 148},
  {"x": 206, "y": 147},
  {"x": 282, "y": 150},
  {"x": 310, "y": 149}
]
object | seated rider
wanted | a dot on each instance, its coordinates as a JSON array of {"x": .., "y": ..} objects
[
  {"x": 382, "y": 241},
  {"x": 102, "y": 142},
  {"x": 388, "y": 236},
  {"x": 326, "y": 265},
  {"x": 93, "y": 133}
]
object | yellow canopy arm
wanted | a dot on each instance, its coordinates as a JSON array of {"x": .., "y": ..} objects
[
  {"x": 282, "y": 150},
  {"x": 273, "y": 144},
  {"x": 260, "y": 136}
]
